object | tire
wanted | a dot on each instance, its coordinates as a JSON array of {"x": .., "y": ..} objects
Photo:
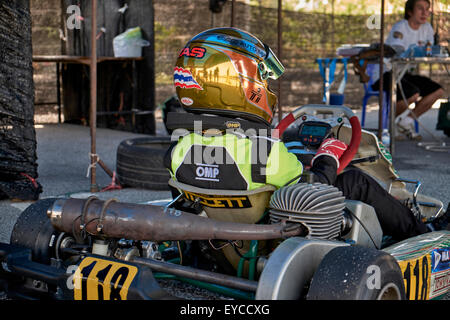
[
  {"x": 34, "y": 230},
  {"x": 350, "y": 273},
  {"x": 140, "y": 163}
]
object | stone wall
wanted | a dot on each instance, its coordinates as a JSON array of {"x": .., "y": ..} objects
[
  {"x": 306, "y": 36},
  {"x": 45, "y": 16}
]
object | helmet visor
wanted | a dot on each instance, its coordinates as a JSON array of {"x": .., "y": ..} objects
[{"x": 270, "y": 67}]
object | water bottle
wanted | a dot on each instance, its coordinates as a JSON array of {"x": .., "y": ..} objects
[
  {"x": 429, "y": 49},
  {"x": 385, "y": 137}
]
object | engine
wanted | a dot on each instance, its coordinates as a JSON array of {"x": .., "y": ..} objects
[{"x": 319, "y": 207}]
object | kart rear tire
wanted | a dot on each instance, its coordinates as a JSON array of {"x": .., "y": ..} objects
[
  {"x": 140, "y": 163},
  {"x": 351, "y": 273},
  {"x": 34, "y": 230}
]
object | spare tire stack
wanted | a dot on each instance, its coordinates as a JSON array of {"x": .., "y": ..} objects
[
  {"x": 18, "y": 166},
  {"x": 140, "y": 163}
]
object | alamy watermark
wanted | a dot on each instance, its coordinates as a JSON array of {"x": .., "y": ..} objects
[
  {"x": 374, "y": 280},
  {"x": 75, "y": 18},
  {"x": 374, "y": 22}
]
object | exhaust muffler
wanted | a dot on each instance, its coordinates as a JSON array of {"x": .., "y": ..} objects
[{"x": 119, "y": 220}]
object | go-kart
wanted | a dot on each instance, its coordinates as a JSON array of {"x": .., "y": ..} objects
[{"x": 302, "y": 241}]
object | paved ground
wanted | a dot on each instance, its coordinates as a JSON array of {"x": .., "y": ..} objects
[
  {"x": 431, "y": 168},
  {"x": 63, "y": 160},
  {"x": 63, "y": 152}
]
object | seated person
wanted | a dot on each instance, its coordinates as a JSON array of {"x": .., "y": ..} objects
[
  {"x": 237, "y": 160},
  {"x": 424, "y": 92}
]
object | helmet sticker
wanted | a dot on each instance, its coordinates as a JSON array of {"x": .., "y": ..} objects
[
  {"x": 187, "y": 101},
  {"x": 195, "y": 52},
  {"x": 183, "y": 79},
  {"x": 256, "y": 95},
  {"x": 246, "y": 45}
]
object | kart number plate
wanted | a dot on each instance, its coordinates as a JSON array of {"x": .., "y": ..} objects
[
  {"x": 98, "y": 279},
  {"x": 416, "y": 277}
]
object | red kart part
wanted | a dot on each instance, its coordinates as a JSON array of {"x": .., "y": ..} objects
[{"x": 314, "y": 108}]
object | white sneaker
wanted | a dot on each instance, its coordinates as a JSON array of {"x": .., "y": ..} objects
[{"x": 405, "y": 125}]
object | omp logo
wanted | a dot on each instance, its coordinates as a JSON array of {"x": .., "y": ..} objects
[{"x": 207, "y": 172}]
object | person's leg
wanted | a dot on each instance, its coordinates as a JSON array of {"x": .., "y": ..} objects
[
  {"x": 396, "y": 219},
  {"x": 427, "y": 102},
  {"x": 410, "y": 92},
  {"x": 429, "y": 90},
  {"x": 401, "y": 106}
]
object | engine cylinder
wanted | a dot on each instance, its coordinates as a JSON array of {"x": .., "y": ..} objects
[{"x": 319, "y": 207}]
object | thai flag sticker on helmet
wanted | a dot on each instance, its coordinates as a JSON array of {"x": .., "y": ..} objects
[{"x": 183, "y": 78}]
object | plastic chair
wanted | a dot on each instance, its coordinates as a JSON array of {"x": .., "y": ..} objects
[{"x": 369, "y": 92}]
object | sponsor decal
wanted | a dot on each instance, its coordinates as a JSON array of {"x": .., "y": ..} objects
[
  {"x": 187, "y": 101},
  {"x": 385, "y": 152},
  {"x": 256, "y": 95},
  {"x": 441, "y": 260},
  {"x": 183, "y": 79},
  {"x": 230, "y": 202},
  {"x": 440, "y": 283},
  {"x": 232, "y": 125},
  {"x": 195, "y": 52},
  {"x": 398, "y": 35},
  {"x": 241, "y": 44},
  {"x": 207, "y": 172}
]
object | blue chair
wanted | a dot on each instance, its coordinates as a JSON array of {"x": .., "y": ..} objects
[{"x": 369, "y": 92}]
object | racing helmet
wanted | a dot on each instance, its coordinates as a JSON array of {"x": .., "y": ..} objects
[{"x": 225, "y": 71}]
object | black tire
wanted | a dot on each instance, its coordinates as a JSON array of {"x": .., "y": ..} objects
[
  {"x": 140, "y": 163},
  {"x": 347, "y": 273},
  {"x": 34, "y": 230}
]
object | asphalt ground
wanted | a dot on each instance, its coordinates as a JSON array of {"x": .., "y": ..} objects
[
  {"x": 63, "y": 159},
  {"x": 414, "y": 161},
  {"x": 63, "y": 152}
]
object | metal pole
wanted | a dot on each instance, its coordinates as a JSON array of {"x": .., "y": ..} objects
[
  {"x": 93, "y": 90},
  {"x": 280, "y": 35},
  {"x": 233, "y": 2},
  {"x": 58, "y": 90},
  {"x": 393, "y": 100},
  {"x": 197, "y": 274},
  {"x": 380, "y": 97}
]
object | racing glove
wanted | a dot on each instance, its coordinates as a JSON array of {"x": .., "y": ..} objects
[{"x": 330, "y": 148}]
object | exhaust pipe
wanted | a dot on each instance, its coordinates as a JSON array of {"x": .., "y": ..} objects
[{"x": 154, "y": 223}]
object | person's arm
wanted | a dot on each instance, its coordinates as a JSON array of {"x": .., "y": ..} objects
[
  {"x": 397, "y": 38},
  {"x": 324, "y": 170},
  {"x": 325, "y": 163},
  {"x": 283, "y": 167}
]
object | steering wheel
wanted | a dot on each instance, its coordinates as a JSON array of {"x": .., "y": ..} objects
[{"x": 348, "y": 155}]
